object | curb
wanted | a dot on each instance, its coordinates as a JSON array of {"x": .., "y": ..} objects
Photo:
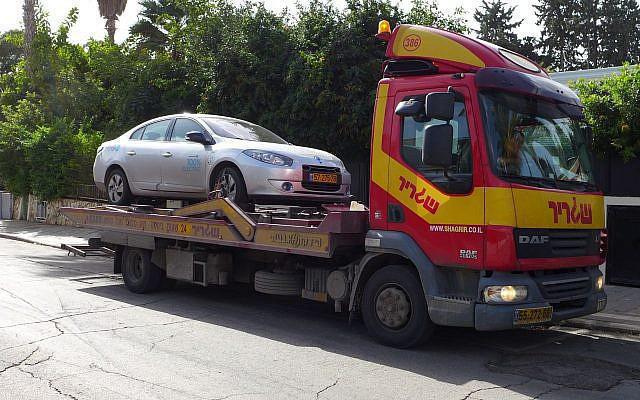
[
  {"x": 604, "y": 326},
  {"x": 25, "y": 240}
]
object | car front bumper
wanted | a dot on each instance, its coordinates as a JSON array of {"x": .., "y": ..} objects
[{"x": 264, "y": 181}]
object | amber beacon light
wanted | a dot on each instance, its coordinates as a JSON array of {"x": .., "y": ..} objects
[{"x": 384, "y": 30}]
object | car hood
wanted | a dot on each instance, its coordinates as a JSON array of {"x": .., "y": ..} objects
[{"x": 289, "y": 150}]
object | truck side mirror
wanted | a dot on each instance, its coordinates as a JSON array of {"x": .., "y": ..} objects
[
  {"x": 409, "y": 108},
  {"x": 439, "y": 105},
  {"x": 438, "y": 142}
]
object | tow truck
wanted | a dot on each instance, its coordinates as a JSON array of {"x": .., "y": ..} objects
[{"x": 482, "y": 209}]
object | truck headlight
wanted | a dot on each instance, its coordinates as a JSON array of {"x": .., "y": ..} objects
[
  {"x": 269, "y": 157},
  {"x": 600, "y": 283},
  {"x": 505, "y": 294}
]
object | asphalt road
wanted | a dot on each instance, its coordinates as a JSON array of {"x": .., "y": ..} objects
[{"x": 68, "y": 329}]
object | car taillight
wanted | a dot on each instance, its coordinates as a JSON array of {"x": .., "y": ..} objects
[{"x": 603, "y": 244}]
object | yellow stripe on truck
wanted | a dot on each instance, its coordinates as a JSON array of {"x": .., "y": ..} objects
[{"x": 420, "y": 42}]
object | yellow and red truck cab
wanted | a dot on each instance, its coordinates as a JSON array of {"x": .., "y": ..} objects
[{"x": 513, "y": 212}]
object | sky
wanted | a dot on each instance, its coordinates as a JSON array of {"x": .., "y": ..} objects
[{"x": 90, "y": 25}]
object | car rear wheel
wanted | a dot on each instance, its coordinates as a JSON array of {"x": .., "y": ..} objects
[
  {"x": 230, "y": 181},
  {"x": 118, "y": 191}
]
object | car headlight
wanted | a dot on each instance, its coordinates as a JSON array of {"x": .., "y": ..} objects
[
  {"x": 505, "y": 294},
  {"x": 269, "y": 157},
  {"x": 600, "y": 283}
]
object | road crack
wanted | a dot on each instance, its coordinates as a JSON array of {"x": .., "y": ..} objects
[
  {"x": 49, "y": 383},
  {"x": 318, "y": 393},
  {"x": 19, "y": 363},
  {"x": 468, "y": 396}
]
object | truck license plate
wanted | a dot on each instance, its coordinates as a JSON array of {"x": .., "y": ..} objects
[
  {"x": 324, "y": 178},
  {"x": 526, "y": 316}
]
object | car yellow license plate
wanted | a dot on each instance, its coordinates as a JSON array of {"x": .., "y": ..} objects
[
  {"x": 324, "y": 178},
  {"x": 526, "y": 316}
]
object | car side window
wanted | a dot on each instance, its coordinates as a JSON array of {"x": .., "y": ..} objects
[
  {"x": 182, "y": 127},
  {"x": 413, "y": 132},
  {"x": 156, "y": 131},
  {"x": 137, "y": 135}
]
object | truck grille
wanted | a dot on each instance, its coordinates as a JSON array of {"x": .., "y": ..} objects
[
  {"x": 570, "y": 243},
  {"x": 307, "y": 170},
  {"x": 563, "y": 283},
  {"x": 552, "y": 243}
]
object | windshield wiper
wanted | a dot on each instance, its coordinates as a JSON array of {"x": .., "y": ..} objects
[
  {"x": 586, "y": 186},
  {"x": 533, "y": 180}
]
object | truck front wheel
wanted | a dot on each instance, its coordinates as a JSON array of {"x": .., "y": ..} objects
[
  {"x": 394, "y": 309},
  {"x": 140, "y": 275}
]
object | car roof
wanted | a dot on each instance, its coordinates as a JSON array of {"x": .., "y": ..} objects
[{"x": 170, "y": 116}]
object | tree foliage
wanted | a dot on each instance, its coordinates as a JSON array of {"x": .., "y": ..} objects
[
  {"x": 311, "y": 77},
  {"x": 588, "y": 33},
  {"x": 612, "y": 108},
  {"x": 496, "y": 22}
]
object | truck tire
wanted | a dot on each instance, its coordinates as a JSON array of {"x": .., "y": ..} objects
[
  {"x": 278, "y": 284},
  {"x": 394, "y": 309},
  {"x": 139, "y": 273}
]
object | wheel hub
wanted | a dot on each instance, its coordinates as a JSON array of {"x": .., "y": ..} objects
[
  {"x": 393, "y": 307},
  {"x": 228, "y": 184},
  {"x": 115, "y": 188}
]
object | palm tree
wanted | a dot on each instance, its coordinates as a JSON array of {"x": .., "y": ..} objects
[
  {"x": 29, "y": 20},
  {"x": 110, "y": 10}
]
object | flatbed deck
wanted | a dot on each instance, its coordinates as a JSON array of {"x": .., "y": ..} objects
[{"x": 221, "y": 222}]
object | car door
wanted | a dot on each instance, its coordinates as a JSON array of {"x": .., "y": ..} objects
[
  {"x": 144, "y": 156},
  {"x": 184, "y": 164}
]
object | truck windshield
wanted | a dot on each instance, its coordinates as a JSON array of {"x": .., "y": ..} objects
[
  {"x": 237, "y": 129},
  {"x": 536, "y": 142}
]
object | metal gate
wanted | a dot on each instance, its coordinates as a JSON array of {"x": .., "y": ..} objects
[
  {"x": 6, "y": 205},
  {"x": 623, "y": 227}
]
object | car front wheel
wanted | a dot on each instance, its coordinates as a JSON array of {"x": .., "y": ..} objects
[{"x": 229, "y": 180}]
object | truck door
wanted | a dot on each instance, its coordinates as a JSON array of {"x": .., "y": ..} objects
[
  {"x": 443, "y": 213},
  {"x": 184, "y": 162}
]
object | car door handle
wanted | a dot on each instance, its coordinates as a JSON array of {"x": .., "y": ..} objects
[
  {"x": 167, "y": 154},
  {"x": 131, "y": 153}
]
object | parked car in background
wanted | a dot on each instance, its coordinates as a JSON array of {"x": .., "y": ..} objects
[{"x": 186, "y": 156}]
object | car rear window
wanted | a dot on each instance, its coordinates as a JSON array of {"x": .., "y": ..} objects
[
  {"x": 156, "y": 131},
  {"x": 137, "y": 135},
  {"x": 237, "y": 129}
]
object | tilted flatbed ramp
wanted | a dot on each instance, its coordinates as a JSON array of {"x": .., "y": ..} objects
[{"x": 221, "y": 222}]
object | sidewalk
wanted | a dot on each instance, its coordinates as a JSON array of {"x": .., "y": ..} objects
[
  {"x": 622, "y": 313},
  {"x": 43, "y": 234}
]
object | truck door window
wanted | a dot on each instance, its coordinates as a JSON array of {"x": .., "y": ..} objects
[{"x": 413, "y": 129}]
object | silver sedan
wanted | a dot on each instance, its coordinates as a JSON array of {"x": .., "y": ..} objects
[{"x": 187, "y": 156}]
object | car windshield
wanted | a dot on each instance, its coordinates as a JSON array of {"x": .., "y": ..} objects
[
  {"x": 534, "y": 140},
  {"x": 237, "y": 129}
]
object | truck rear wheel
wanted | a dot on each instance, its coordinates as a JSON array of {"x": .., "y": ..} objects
[
  {"x": 139, "y": 273},
  {"x": 394, "y": 309}
]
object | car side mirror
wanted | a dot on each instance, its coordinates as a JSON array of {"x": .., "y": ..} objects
[
  {"x": 437, "y": 146},
  {"x": 439, "y": 105},
  {"x": 198, "y": 137}
]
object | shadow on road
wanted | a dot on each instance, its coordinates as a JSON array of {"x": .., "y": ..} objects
[{"x": 457, "y": 356}]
